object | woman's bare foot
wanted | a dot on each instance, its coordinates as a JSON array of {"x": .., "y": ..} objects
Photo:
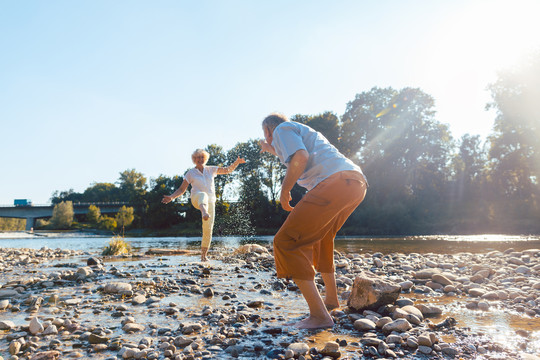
[{"x": 315, "y": 323}]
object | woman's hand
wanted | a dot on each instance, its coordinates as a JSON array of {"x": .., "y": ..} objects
[
  {"x": 240, "y": 161},
  {"x": 167, "y": 199}
]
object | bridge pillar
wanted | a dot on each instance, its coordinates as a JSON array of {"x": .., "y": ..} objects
[{"x": 30, "y": 223}]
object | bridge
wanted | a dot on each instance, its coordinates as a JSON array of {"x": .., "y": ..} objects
[{"x": 31, "y": 213}]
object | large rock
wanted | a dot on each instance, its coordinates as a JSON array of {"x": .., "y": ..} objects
[{"x": 369, "y": 292}]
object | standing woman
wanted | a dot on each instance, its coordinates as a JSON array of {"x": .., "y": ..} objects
[{"x": 203, "y": 192}]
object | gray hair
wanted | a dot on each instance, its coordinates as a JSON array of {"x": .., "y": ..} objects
[{"x": 273, "y": 120}]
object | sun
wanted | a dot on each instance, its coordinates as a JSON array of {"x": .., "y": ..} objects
[
  {"x": 491, "y": 35},
  {"x": 469, "y": 48}
]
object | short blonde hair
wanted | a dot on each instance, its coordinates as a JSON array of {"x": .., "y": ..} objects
[{"x": 200, "y": 152}]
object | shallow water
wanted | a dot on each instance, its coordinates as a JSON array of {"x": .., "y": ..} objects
[{"x": 504, "y": 327}]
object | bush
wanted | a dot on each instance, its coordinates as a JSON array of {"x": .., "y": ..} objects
[
  {"x": 117, "y": 246},
  {"x": 93, "y": 215},
  {"x": 62, "y": 216},
  {"x": 124, "y": 217},
  {"x": 107, "y": 223}
]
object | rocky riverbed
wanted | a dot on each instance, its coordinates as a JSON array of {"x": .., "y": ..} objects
[{"x": 70, "y": 304}]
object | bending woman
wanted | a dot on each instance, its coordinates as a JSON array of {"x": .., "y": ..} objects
[{"x": 203, "y": 193}]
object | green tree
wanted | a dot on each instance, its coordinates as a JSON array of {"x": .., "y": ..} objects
[
  {"x": 395, "y": 138},
  {"x": 101, "y": 192},
  {"x": 468, "y": 208},
  {"x": 124, "y": 217},
  {"x": 132, "y": 185},
  {"x": 62, "y": 216},
  {"x": 93, "y": 215},
  {"x": 158, "y": 215},
  {"x": 326, "y": 123},
  {"x": 514, "y": 155}
]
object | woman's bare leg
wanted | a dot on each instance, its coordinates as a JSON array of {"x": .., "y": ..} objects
[{"x": 204, "y": 251}]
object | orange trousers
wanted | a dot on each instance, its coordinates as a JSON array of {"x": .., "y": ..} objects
[{"x": 305, "y": 241}]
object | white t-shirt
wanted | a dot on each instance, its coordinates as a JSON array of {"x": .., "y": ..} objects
[{"x": 203, "y": 181}]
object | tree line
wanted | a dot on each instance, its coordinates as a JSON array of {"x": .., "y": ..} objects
[{"x": 421, "y": 179}]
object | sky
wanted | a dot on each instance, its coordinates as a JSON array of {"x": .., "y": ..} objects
[{"x": 89, "y": 89}]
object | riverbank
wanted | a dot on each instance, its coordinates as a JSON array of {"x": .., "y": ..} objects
[{"x": 75, "y": 304}]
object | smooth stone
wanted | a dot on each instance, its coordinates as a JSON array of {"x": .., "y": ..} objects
[
  {"x": 208, "y": 292},
  {"x": 516, "y": 261},
  {"x": 364, "y": 325},
  {"x": 138, "y": 299},
  {"x": 429, "y": 310},
  {"x": 383, "y": 321},
  {"x": 425, "y": 349},
  {"x": 399, "y": 325},
  {"x": 117, "y": 287},
  {"x": 484, "y": 306},
  {"x": 477, "y": 292},
  {"x": 331, "y": 348},
  {"x": 7, "y": 325},
  {"x": 426, "y": 273},
  {"x": 46, "y": 355},
  {"x": 35, "y": 326},
  {"x": 7, "y": 293},
  {"x": 413, "y": 310},
  {"x": 14, "y": 347},
  {"x": 441, "y": 279},
  {"x": 491, "y": 295},
  {"x": 97, "y": 339},
  {"x": 255, "y": 303},
  {"x": 133, "y": 327},
  {"x": 394, "y": 339},
  {"x": 4, "y": 304},
  {"x": 424, "y": 340},
  {"x": 50, "y": 330},
  {"x": 298, "y": 349}
]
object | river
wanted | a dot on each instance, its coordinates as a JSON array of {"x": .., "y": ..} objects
[{"x": 446, "y": 244}]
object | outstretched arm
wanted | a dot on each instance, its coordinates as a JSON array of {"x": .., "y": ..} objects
[
  {"x": 229, "y": 169},
  {"x": 295, "y": 169},
  {"x": 179, "y": 192}
]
